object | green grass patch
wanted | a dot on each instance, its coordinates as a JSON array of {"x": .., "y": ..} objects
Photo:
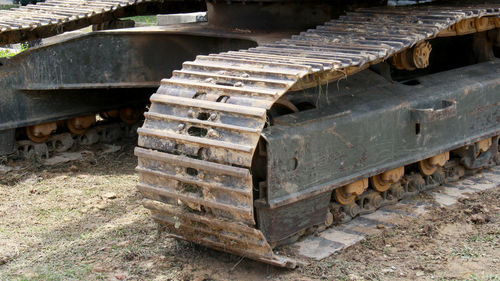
[
  {"x": 143, "y": 19},
  {"x": 483, "y": 238},
  {"x": 7, "y": 53},
  {"x": 465, "y": 253}
]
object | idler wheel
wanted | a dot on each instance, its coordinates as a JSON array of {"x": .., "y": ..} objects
[
  {"x": 430, "y": 165},
  {"x": 382, "y": 182},
  {"x": 41, "y": 132},
  {"x": 346, "y": 194},
  {"x": 79, "y": 125}
]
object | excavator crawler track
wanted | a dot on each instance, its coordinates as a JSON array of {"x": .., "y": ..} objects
[
  {"x": 196, "y": 145},
  {"x": 57, "y": 16}
]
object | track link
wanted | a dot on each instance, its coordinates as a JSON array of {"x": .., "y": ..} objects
[{"x": 196, "y": 145}]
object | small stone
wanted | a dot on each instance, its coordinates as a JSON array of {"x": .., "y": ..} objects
[
  {"x": 111, "y": 148},
  {"x": 419, "y": 273},
  {"x": 380, "y": 226},
  {"x": 109, "y": 195},
  {"x": 73, "y": 168},
  {"x": 101, "y": 206}
]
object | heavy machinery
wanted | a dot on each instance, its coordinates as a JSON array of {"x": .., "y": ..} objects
[{"x": 295, "y": 115}]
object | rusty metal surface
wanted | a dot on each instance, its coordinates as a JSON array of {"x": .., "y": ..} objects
[
  {"x": 63, "y": 80},
  {"x": 314, "y": 151},
  {"x": 197, "y": 142},
  {"x": 57, "y": 16}
]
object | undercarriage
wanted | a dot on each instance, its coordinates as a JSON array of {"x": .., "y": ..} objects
[
  {"x": 264, "y": 134},
  {"x": 244, "y": 151}
]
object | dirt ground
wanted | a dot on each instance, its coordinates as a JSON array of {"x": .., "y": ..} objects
[{"x": 83, "y": 221}]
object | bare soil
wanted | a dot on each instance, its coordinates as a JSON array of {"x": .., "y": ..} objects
[{"x": 83, "y": 220}]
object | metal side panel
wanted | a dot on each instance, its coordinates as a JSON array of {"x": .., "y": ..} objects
[
  {"x": 386, "y": 126},
  {"x": 95, "y": 72}
]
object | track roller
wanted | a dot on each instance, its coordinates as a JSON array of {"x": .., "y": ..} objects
[
  {"x": 383, "y": 182},
  {"x": 346, "y": 194},
  {"x": 41, "y": 132},
  {"x": 79, "y": 125},
  {"x": 430, "y": 165}
]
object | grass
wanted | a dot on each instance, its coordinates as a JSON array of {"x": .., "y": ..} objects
[
  {"x": 143, "y": 19},
  {"x": 489, "y": 277},
  {"x": 483, "y": 238},
  {"x": 6, "y": 53},
  {"x": 465, "y": 253}
]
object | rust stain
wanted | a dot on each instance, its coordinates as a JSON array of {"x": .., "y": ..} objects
[{"x": 347, "y": 143}]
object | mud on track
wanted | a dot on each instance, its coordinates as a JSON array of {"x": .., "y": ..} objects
[{"x": 83, "y": 220}]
